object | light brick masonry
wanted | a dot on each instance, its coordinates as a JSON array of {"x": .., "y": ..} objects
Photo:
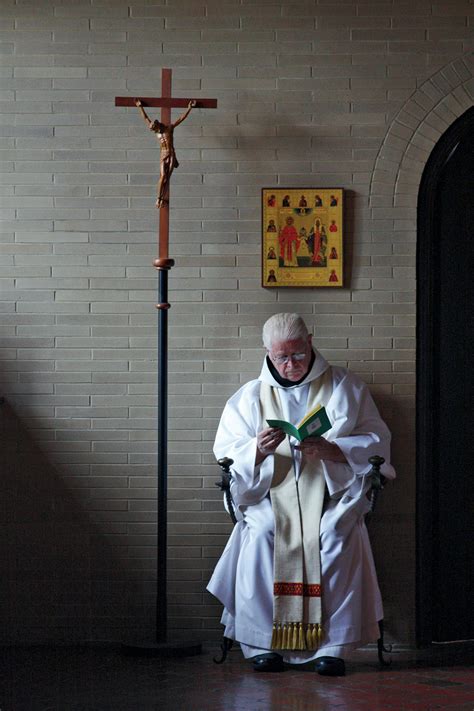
[{"x": 351, "y": 94}]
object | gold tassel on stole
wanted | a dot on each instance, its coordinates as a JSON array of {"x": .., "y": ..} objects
[
  {"x": 274, "y": 642},
  {"x": 301, "y": 637},
  {"x": 296, "y": 635}
]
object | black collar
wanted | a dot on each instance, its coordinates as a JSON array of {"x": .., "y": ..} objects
[{"x": 284, "y": 382}]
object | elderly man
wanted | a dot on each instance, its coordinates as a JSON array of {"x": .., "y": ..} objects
[{"x": 297, "y": 577}]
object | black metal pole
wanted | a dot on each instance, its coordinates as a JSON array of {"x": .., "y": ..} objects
[
  {"x": 161, "y": 646},
  {"x": 162, "y": 493}
]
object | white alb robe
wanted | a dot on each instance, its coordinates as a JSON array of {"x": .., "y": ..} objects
[{"x": 243, "y": 577}]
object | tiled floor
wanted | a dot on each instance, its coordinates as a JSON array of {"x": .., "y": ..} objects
[{"x": 102, "y": 679}]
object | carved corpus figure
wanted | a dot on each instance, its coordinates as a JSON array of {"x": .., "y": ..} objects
[{"x": 168, "y": 160}]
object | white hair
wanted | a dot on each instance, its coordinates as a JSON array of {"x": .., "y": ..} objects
[{"x": 283, "y": 327}]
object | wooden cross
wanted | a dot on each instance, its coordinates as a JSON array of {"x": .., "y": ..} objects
[{"x": 166, "y": 102}]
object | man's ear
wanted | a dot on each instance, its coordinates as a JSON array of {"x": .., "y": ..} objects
[{"x": 310, "y": 338}]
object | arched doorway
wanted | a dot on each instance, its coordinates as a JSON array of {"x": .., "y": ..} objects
[{"x": 445, "y": 456}]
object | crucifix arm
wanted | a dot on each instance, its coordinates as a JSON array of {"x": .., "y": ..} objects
[
  {"x": 146, "y": 118},
  {"x": 179, "y": 120}
]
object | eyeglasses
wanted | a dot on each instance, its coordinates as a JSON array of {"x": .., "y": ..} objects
[{"x": 280, "y": 360}]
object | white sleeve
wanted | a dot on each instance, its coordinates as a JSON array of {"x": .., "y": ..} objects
[
  {"x": 358, "y": 430},
  {"x": 236, "y": 439}
]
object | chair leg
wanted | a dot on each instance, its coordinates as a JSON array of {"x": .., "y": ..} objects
[
  {"x": 381, "y": 649},
  {"x": 226, "y": 646}
]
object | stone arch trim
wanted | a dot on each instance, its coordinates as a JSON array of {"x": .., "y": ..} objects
[{"x": 413, "y": 134}]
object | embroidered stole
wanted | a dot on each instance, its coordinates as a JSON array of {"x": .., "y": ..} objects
[{"x": 297, "y": 506}]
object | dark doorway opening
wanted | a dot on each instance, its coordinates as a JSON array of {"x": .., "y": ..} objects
[{"x": 445, "y": 453}]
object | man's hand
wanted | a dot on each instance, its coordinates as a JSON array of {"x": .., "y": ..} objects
[
  {"x": 267, "y": 442},
  {"x": 138, "y": 103},
  {"x": 192, "y": 104},
  {"x": 314, "y": 448}
]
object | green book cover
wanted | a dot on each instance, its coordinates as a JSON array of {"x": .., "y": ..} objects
[{"x": 314, "y": 424}]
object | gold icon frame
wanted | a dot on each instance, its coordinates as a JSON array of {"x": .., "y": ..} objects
[{"x": 302, "y": 237}]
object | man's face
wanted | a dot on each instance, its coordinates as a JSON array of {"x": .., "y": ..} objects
[{"x": 291, "y": 358}]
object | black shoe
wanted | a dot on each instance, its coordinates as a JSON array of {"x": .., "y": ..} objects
[
  {"x": 270, "y": 662},
  {"x": 330, "y": 666}
]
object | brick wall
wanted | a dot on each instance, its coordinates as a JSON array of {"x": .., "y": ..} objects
[{"x": 352, "y": 94}]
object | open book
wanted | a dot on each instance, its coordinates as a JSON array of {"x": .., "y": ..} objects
[{"x": 314, "y": 424}]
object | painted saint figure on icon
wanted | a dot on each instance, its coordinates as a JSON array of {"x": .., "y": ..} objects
[{"x": 289, "y": 243}]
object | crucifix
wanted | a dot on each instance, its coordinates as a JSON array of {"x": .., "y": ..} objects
[{"x": 164, "y": 130}]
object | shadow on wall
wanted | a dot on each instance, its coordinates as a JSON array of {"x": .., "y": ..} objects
[
  {"x": 392, "y": 528},
  {"x": 348, "y": 245},
  {"x": 60, "y": 579}
]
